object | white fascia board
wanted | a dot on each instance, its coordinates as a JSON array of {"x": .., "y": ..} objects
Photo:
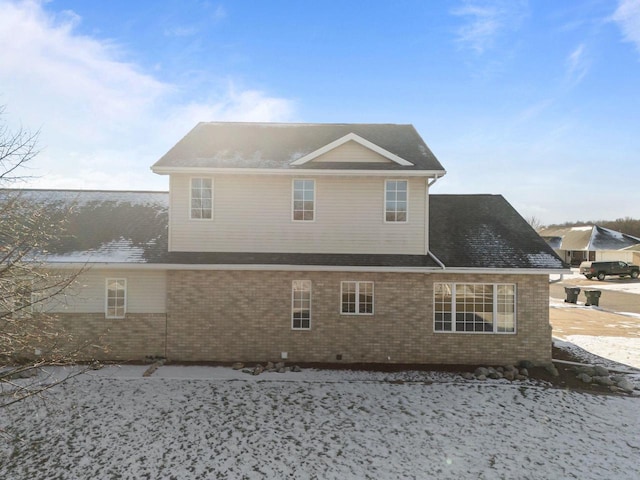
[
  {"x": 358, "y": 139},
  {"x": 307, "y": 268},
  {"x": 297, "y": 172}
]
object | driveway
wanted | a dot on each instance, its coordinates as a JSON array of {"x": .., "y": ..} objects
[{"x": 611, "y": 330}]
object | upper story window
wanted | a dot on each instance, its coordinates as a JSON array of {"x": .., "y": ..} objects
[
  {"x": 201, "y": 198},
  {"x": 396, "y": 196},
  {"x": 304, "y": 200},
  {"x": 116, "y": 301}
]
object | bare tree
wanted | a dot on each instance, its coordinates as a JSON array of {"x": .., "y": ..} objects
[
  {"x": 30, "y": 337},
  {"x": 535, "y": 222}
]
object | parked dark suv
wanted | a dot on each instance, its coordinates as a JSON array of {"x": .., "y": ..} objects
[{"x": 601, "y": 269}]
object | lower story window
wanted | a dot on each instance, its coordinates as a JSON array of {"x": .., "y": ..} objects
[
  {"x": 301, "y": 305},
  {"x": 474, "y": 307},
  {"x": 116, "y": 301},
  {"x": 357, "y": 298}
]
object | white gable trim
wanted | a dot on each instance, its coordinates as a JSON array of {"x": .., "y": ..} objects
[{"x": 358, "y": 139}]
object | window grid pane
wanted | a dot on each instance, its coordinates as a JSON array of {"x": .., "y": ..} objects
[
  {"x": 303, "y": 200},
  {"x": 357, "y": 298},
  {"x": 301, "y": 304},
  {"x": 201, "y": 198},
  {"x": 116, "y": 297},
  {"x": 475, "y": 307},
  {"x": 396, "y": 195}
]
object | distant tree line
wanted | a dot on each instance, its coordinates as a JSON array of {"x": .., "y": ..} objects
[{"x": 628, "y": 225}]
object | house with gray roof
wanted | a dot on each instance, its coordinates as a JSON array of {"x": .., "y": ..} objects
[
  {"x": 303, "y": 243},
  {"x": 589, "y": 243}
]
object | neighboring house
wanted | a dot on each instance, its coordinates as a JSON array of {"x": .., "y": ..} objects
[
  {"x": 310, "y": 243},
  {"x": 590, "y": 242}
]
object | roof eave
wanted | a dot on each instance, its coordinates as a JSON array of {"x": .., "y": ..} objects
[{"x": 160, "y": 170}]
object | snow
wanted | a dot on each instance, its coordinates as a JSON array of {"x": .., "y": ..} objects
[
  {"x": 213, "y": 422},
  {"x": 117, "y": 251}
]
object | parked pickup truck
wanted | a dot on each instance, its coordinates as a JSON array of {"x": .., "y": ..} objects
[{"x": 601, "y": 269}]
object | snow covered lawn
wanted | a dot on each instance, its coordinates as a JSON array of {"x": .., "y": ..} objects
[{"x": 213, "y": 422}]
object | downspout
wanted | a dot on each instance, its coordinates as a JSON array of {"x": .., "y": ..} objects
[{"x": 426, "y": 223}]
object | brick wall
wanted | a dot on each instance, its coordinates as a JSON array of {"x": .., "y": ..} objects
[
  {"x": 132, "y": 338},
  {"x": 246, "y": 316}
]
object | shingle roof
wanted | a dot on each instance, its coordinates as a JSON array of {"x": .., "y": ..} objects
[
  {"x": 586, "y": 238},
  {"x": 485, "y": 231},
  {"x": 466, "y": 231},
  {"x": 276, "y": 145}
]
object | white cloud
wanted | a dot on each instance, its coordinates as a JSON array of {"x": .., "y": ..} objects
[
  {"x": 577, "y": 64},
  {"x": 486, "y": 20},
  {"x": 627, "y": 16},
  {"x": 103, "y": 121}
]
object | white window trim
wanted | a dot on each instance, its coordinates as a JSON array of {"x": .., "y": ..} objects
[
  {"x": 384, "y": 202},
  {"x": 191, "y": 199},
  {"x": 293, "y": 304},
  {"x": 495, "y": 306},
  {"x": 315, "y": 190},
  {"x": 106, "y": 297},
  {"x": 373, "y": 297}
]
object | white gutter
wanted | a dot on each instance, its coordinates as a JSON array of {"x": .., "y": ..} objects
[
  {"x": 296, "y": 171},
  {"x": 426, "y": 221},
  {"x": 301, "y": 268}
]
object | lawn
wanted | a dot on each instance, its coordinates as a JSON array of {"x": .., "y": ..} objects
[{"x": 213, "y": 422}]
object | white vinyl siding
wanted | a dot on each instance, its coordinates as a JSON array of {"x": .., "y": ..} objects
[
  {"x": 348, "y": 217},
  {"x": 351, "y": 152},
  {"x": 146, "y": 292}
]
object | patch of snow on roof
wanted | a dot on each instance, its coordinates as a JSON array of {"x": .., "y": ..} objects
[
  {"x": 117, "y": 251},
  {"x": 544, "y": 260}
]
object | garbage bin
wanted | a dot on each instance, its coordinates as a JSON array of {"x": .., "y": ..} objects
[
  {"x": 572, "y": 294},
  {"x": 593, "y": 297}
]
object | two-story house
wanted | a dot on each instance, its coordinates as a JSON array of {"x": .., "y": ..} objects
[{"x": 310, "y": 243}]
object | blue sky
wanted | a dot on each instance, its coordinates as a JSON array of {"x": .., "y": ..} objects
[{"x": 538, "y": 101}]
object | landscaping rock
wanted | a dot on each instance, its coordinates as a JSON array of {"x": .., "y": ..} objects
[
  {"x": 603, "y": 380},
  {"x": 600, "y": 371},
  {"x": 524, "y": 372},
  {"x": 526, "y": 364},
  {"x": 238, "y": 366},
  {"x": 481, "y": 377},
  {"x": 481, "y": 371},
  {"x": 495, "y": 375},
  {"x": 552, "y": 370},
  {"x": 584, "y": 377},
  {"x": 296, "y": 369},
  {"x": 625, "y": 385},
  {"x": 258, "y": 369},
  {"x": 467, "y": 375},
  {"x": 509, "y": 375}
]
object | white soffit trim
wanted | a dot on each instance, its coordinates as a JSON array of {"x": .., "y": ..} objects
[
  {"x": 296, "y": 172},
  {"x": 358, "y": 139},
  {"x": 306, "y": 268}
]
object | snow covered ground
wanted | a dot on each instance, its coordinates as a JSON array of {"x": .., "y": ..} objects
[
  {"x": 213, "y": 422},
  {"x": 621, "y": 349}
]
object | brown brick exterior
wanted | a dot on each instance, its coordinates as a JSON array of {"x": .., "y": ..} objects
[
  {"x": 226, "y": 316},
  {"x": 132, "y": 338},
  {"x": 246, "y": 316}
]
